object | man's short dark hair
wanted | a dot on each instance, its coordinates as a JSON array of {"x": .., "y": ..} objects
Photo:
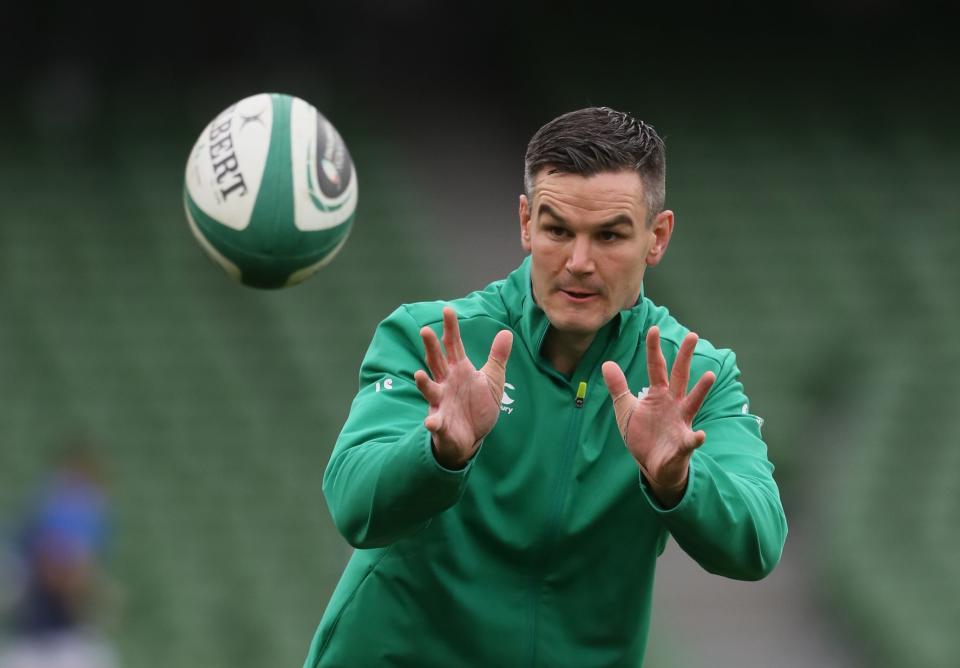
[{"x": 600, "y": 139}]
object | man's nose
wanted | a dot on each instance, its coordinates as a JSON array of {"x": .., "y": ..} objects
[{"x": 581, "y": 258}]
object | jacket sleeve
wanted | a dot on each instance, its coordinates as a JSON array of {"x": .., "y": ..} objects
[
  {"x": 730, "y": 519},
  {"x": 382, "y": 482}
]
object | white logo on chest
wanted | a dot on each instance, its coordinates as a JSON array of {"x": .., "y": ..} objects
[{"x": 506, "y": 400}]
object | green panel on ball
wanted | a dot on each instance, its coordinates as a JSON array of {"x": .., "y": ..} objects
[
  {"x": 259, "y": 268},
  {"x": 271, "y": 248}
]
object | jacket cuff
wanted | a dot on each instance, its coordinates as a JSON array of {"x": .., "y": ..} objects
[
  {"x": 432, "y": 467},
  {"x": 687, "y": 501}
]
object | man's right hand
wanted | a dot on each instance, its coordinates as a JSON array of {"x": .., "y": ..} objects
[{"x": 464, "y": 402}]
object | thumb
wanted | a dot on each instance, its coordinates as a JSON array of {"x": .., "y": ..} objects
[
  {"x": 496, "y": 366},
  {"x": 618, "y": 388},
  {"x": 615, "y": 380}
]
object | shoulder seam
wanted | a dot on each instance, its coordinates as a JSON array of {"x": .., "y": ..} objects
[
  {"x": 718, "y": 355},
  {"x": 460, "y": 318}
]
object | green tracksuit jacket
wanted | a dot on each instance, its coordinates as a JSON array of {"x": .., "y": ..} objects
[{"x": 541, "y": 552}]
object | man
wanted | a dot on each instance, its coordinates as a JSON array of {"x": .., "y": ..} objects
[{"x": 512, "y": 515}]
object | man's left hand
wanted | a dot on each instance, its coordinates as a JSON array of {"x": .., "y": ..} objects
[{"x": 657, "y": 426}]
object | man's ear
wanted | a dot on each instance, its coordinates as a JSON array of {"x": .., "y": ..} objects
[
  {"x": 525, "y": 223},
  {"x": 662, "y": 230}
]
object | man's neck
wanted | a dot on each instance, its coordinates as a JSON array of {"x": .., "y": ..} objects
[{"x": 564, "y": 350}]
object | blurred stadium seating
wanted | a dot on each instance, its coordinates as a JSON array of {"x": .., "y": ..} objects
[
  {"x": 834, "y": 245},
  {"x": 216, "y": 405}
]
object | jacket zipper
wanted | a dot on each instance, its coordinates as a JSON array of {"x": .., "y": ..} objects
[{"x": 553, "y": 523}]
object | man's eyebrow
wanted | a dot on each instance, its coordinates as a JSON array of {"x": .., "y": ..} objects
[
  {"x": 622, "y": 219},
  {"x": 545, "y": 210}
]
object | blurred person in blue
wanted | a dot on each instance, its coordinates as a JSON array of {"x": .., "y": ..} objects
[{"x": 57, "y": 553}]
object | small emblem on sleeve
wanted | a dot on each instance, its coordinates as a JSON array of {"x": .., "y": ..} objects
[{"x": 746, "y": 411}]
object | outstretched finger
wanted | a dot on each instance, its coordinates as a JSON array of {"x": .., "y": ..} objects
[
  {"x": 430, "y": 390},
  {"x": 615, "y": 380},
  {"x": 694, "y": 400},
  {"x": 680, "y": 375},
  {"x": 451, "y": 336},
  {"x": 434, "y": 356},
  {"x": 656, "y": 365}
]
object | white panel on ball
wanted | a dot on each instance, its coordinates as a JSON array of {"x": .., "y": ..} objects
[
  {"x": 226, "y": 165},
  {"x": 315, "y": 209}
]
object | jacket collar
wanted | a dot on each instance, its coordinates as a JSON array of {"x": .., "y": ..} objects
[{"x": 531, "y": 322}]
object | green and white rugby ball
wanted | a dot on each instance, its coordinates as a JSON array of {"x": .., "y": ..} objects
[{"x": 270, "y": 190}]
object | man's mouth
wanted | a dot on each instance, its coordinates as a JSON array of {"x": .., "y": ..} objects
[{"x": 577, "y": 295}]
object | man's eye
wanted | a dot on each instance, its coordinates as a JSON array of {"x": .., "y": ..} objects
[
  {"x": 556, "y": 232},
  {"x": 609, "y": 236}
]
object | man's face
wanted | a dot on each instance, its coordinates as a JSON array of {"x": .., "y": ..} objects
[{"x": 590, "y": 245}]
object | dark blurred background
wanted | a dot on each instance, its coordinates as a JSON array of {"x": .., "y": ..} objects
[{"x": 813, "y": 162}]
